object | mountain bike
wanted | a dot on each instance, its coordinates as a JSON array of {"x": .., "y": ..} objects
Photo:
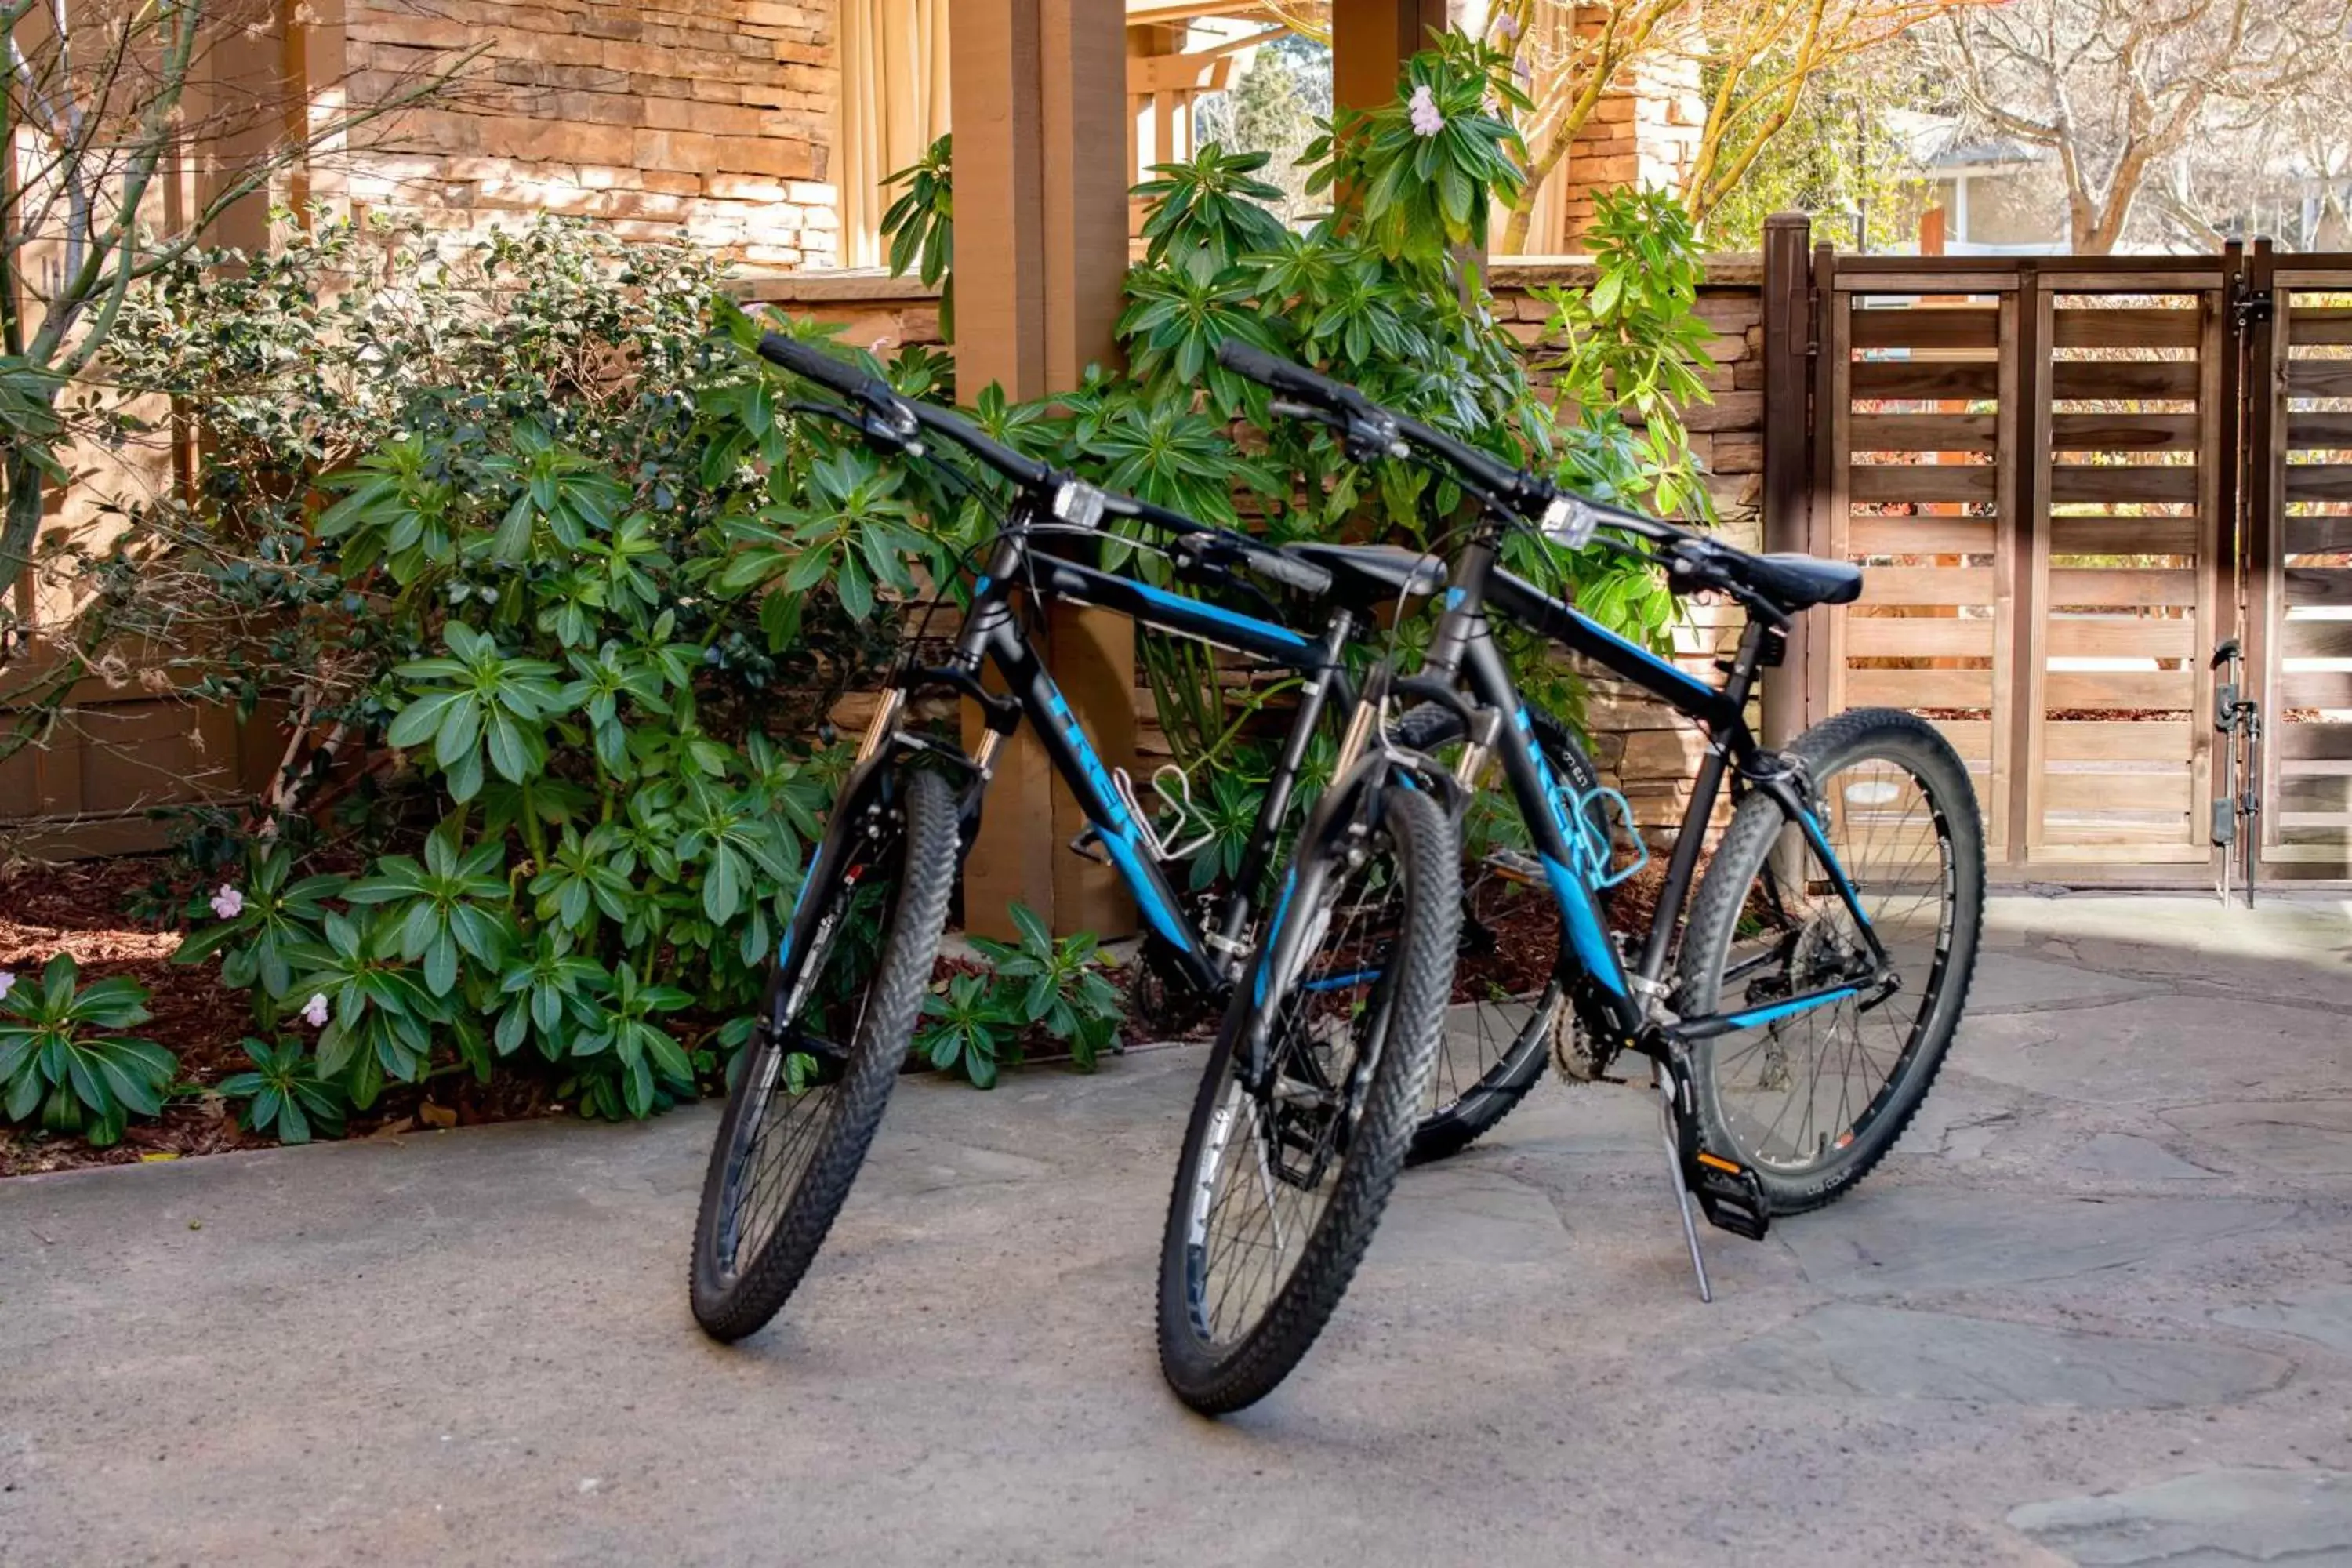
[
  {"x": 846, "y": 987},
  {"x": 2237, "y": 784},
  {"x": 1827, "y": 954}
]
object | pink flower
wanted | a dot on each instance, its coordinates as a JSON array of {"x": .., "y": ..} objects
[
  {"x": 7, "y": 983},
  {"x": 1507, "y": 27},
  {"x": 228, "y": 903},
  {"x": 1422, "y": 109},
  {"x": 315, "y": 1010}
]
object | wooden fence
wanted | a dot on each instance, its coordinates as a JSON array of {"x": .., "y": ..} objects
[{"x": 2070, "y": 477}]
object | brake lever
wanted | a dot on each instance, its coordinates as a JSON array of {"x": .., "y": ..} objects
[{"x": 866, "y": 422}]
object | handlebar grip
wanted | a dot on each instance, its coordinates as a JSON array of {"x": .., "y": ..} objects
[
  {"x": 814, "y": 363},
  {"x": 1303, "y": 575},
  {"x": 1158, "y": 517},
  {"x": 1285, "y": 376}
]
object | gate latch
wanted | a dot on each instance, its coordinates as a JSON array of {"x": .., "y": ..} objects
[{"x": 2248, "y": 305}]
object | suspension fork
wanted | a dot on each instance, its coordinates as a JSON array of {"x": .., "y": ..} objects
[{"x": 1313, "y": 697}]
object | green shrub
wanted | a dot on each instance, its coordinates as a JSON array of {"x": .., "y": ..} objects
[
  {"x": 1378, "y": 294},
  {"x": 284, "y": 1094},
  {"x": 558, "y": 649},
  {"x": 61, "y": 1058},
  {"x": 979, "y": 1023}
]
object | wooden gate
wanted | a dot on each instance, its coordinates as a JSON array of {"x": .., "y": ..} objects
[
  {"x": 2294, "y": 584},
  {"x": 2035, "y": 460}
]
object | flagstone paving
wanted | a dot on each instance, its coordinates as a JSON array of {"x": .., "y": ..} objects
[{"x": 2096, "y": 1309}]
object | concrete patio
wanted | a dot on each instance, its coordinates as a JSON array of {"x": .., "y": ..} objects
[{"x": 2097, "y": 1309}]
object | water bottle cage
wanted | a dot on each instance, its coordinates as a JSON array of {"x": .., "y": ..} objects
[
  {"x": 1594, "y": 845},
  {"x": 1168, "y": 843}
]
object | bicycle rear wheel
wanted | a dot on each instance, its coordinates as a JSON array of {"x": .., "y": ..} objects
[
  {"x": 1507, "y": 996},
  {"x": 1812, "y": 1101},
  {"x": 809, "y": 1091},
  {"x": 1281, "y": 1180}
]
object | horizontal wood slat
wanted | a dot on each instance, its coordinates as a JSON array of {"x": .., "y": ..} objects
[
  {"x": 1928, "y": 585},
  {"x": 2322, "y": 428},
  {"x": 2137, "y": 637},
  {"x": 2317, "y": 794},
  {"x": 2318, "y": 585},
  {"x": 2119, "y": 379},
  {"x": 2143, "y": 740},
  {"x": 2319, "y": 481},
  {"x": 2107, "y": 691},
  {"x": 1919, "y": 687},
  {"x": 2076, "y": 855},
  {"x": 2122, "y": 431},
  {"x": 1917, "y": 637},
  {"x": 2316, "y": 639},
  {"x": 2100, "y": 588},
  {"x": 1928, "y": 327},
  {"x": 2109, "y": 535},
  {"x": 2319, "y": 378},
  {"x": 2315, "y": 742},
  {"x": 1928, "y": 535},
  {"x": 1878, "y": 483},
  {"x": 1971, "y": 738},
  {"x": 2095, "y": 792},
  {"x": 2322, "y": 533},
  {"x": 1924, "y": 432},
  {"x": 2113, "y": 483},
  {"x": 2140, "y": 327},
  {"x": 2314, "y": 689},
  {"x": 1924, "y": 379},
  {"x": 2320, "y": 324}
]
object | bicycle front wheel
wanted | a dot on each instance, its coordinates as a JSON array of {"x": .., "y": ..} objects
[
  {"x": 1812, "y": 1101},
  {"x": 1284, "y": 1170},
  {"x": 840, "y": 1006},
  {"x": 1508, "y": 993}
]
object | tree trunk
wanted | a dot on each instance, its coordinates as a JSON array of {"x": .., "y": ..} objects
[{"x": 20, "y": 529}]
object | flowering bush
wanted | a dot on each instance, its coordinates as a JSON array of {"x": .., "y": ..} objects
[
  {"x": 63, "y": 1059},
  {"x": 556, "y": 654}
]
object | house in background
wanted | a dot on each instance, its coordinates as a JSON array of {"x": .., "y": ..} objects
[{"x": 1994, "y": 195}]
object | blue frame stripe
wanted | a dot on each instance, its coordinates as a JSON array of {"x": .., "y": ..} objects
[
  {"x": 1178, "y": 605},
  {"x": 1119, "y": 834},
  {"x": 1757, "y": 1017}
]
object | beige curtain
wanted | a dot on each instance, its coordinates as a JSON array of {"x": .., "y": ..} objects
[{"x": 894, "y": 104}]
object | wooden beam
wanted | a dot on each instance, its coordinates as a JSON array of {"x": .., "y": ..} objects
[
  {"x": 1370, "y": 41},
  {"x": 1788, "y": 427},
  {"x": 1041, "y": 109}
]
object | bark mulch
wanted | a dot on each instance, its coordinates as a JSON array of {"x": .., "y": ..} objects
[{"x": 83, "y": 908}]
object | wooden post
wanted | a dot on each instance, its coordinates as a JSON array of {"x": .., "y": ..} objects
[
  {"x": 2262, "y": 545},
  {"x": 2021, "y": 586},
  {"x": 1789, "y": 336},
  {"x": 1040, "y": 92},
  {"x": 1370, "y": 41}
]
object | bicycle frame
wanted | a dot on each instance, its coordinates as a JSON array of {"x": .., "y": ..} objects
[
  {"x": 1625, "y": 1007},
  {"x": 993, "y": 636}
]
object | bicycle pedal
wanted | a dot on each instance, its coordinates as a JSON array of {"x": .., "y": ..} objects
[
  {"x": 1728, "y": 1195},
  {"x": 1512, "y": 866}
]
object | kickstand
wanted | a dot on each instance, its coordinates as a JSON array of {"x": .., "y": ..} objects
[{"x": 1674, "y": 1172}]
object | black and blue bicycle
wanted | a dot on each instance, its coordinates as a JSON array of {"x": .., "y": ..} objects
[
  {"x": 1797, "y": 1026},
  {"x": 1336, "y": 1006}
]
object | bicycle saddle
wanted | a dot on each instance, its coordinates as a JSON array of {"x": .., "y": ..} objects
[{"x": 1798, "y": 582}]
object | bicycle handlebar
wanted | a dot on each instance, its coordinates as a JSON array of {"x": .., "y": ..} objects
[
  {"x": 900, "y": 418},
  {"x": 1570, "y": 517}
]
